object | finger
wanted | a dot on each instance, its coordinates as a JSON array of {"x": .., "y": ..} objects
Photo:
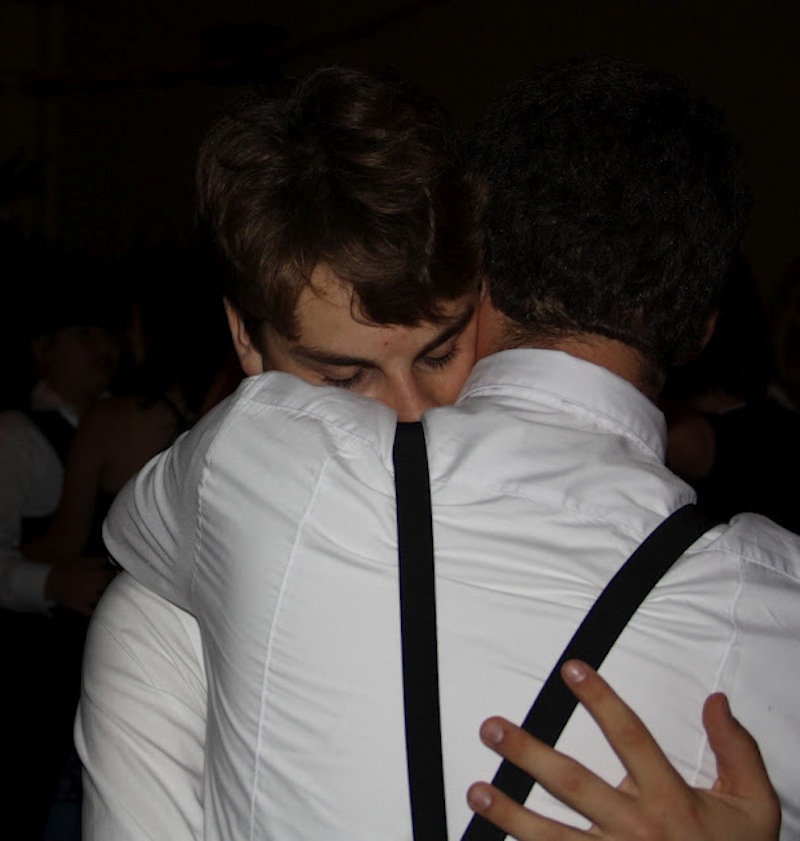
[
  {"x": 565, "y": 778},
  {"x": 740, "y": 766},
  {"x": 516, "y": 820},
  {"x": 636, "y": 748}
]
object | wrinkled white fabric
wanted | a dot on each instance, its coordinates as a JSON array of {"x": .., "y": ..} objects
[
  {"x": 273, "y": 522},
  {"x": 141, "y": 721}
]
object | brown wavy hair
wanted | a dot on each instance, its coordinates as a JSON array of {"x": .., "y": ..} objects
[{"x": 352, "y": 168}]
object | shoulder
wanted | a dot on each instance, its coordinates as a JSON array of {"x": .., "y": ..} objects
[
  {"x": 763, "y": 545},
  {"x": 275, "y": 411}
]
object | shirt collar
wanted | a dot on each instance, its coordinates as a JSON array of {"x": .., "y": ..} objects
[
  {"x": 45, "y": 398},
  {"x": 564, "y": 380}
]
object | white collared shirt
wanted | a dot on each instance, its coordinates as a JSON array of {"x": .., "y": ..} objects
[
  {"x": 31, "y": 476},
  {"x": 274, "y": 522}
]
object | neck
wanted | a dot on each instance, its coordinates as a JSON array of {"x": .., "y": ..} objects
[
  {"x": 617, "y": 357},
  {"x": 496, "y": 332}
]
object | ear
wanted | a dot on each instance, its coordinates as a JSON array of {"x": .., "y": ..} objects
[
  {"x": 490, "y": 324},
  {"x": 250, "y": 357},
  {"x": 711, "y": 325},
  {"x": 483, "y": 290}
]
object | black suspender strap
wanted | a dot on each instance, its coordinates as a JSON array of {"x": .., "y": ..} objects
[
  {"x": 418, "y": 627},
  {"x": 555, "y": 703},
  {"x": 593, "y": 640}
]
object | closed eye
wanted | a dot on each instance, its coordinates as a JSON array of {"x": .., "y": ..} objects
[
  {"x": 437, "y": 362},
  {"x": 345, "y": 382}
]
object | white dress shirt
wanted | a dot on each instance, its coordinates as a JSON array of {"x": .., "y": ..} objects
[
  {"x": 273, "y": 521},
  {"x": 31, "y": 476},
  {"x": 141, "y": 722}
]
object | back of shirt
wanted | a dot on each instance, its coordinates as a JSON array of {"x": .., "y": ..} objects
[{"x": 279, "y": 513}]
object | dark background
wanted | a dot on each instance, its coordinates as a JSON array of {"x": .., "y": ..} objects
[{"x": 103, "y": 102}]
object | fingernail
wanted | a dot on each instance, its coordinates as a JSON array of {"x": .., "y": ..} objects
[
  {"x": 491, "y": 733},
  {"x": 479, "y": 797},
  {"x": 727, "y": 708},
  {"x": 574, "y": 671}
]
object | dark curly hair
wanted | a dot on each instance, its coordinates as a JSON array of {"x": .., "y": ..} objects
[
  {"x": 615, "y": 202},
  {"x": 352, "y": 168}
]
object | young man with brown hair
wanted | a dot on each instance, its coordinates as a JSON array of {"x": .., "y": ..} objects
[{"x": 347, "y": 233}]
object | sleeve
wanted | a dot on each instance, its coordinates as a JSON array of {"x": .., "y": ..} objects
[
  {"x": 22, "y": 581},
  {"x": 141, "y": 723},
  {"x": 150, "y": 529}
]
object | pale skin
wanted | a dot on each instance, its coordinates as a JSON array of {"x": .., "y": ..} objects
[
  {"x": 412, "y": 369},
  {"x": 653, "y": 801}
]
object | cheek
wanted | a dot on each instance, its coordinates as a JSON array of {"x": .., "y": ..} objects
[{"x": 446, "y": 385}]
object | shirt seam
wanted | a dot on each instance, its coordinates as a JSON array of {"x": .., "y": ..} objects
[
  {"x": 345, "y": 430},
  {"x": 270, "y": 635},
  {"x": 744, "y": 557},
  {"x": 208, "y": 457}
]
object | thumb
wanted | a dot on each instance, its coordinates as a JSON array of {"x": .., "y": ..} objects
[{"x": 740, "y": 767}]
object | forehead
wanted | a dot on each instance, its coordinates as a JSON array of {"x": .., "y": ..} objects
[{"x": 328, "y": 318}]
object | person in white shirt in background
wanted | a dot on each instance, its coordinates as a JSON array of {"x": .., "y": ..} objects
[
  {"x": 75, "y": 359},
  {"x": 308, "y": 581},
  {"x": 43, "y": 606}
]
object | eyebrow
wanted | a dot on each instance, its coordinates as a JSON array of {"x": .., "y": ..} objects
[{"x": 324, "y": 357}]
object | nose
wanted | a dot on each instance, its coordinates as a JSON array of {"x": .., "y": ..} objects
[{"x": 409, "y": 400}]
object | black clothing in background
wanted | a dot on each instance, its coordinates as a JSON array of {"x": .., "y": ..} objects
[{"x": 756, "y": 464}]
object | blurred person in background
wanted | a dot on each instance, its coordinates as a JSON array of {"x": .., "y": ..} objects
[
  {"x": 74, "y": 351},
  {"x": 164, "y": 384},
  {"x": 733, "y": 432},
  {"x": 164, "y": 381}
]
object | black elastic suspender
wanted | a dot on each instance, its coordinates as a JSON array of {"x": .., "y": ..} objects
[
  {"x": 418, "y": 626},
  {"x": 593, "y": 640},
  {"x": 555, "y": 703}
]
